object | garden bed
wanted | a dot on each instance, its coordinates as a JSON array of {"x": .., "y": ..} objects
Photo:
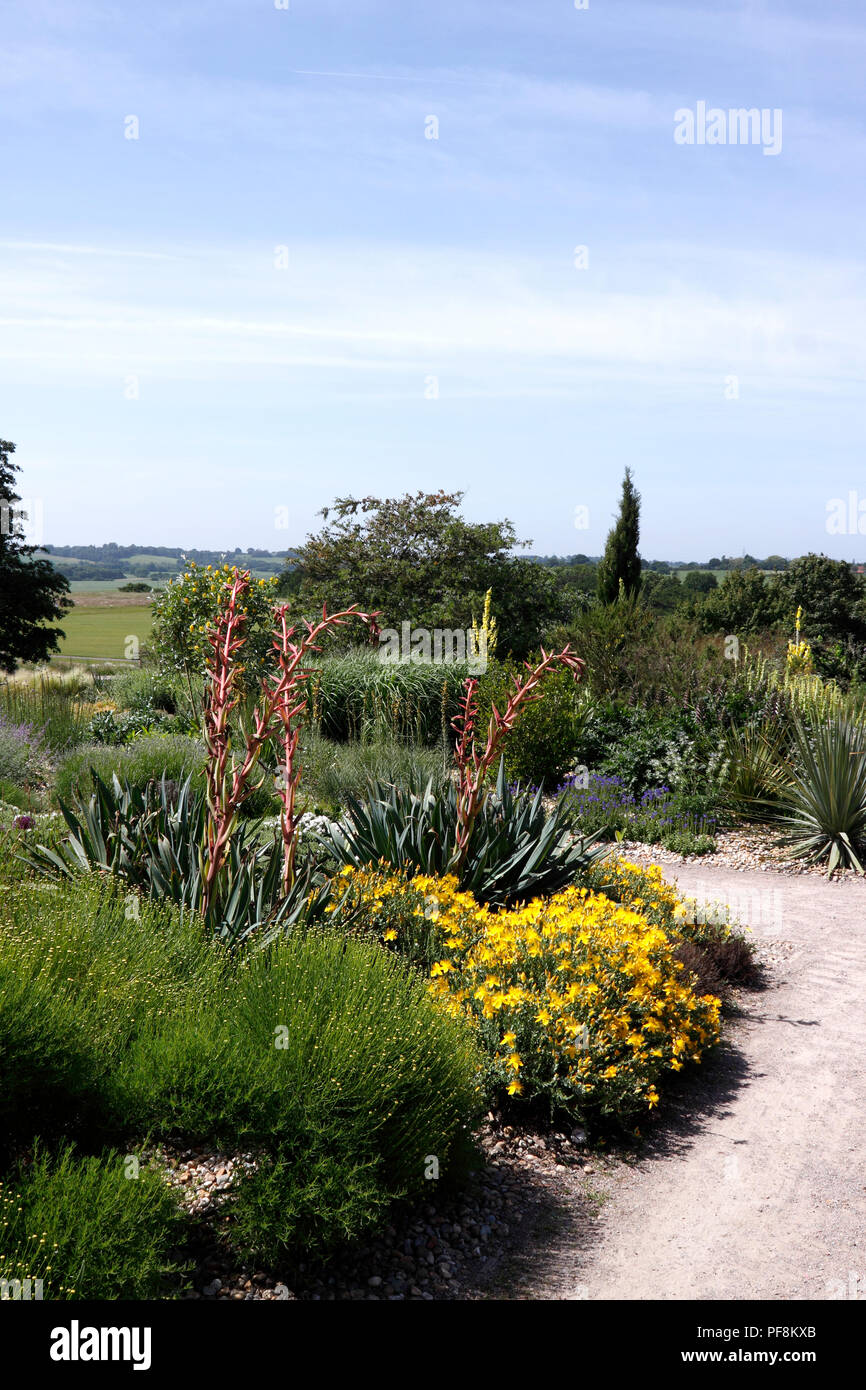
[{"x": 748, "y": 848}]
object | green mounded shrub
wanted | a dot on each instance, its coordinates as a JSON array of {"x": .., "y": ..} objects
[
  {"x": 82, "y": 967},
  {"x": 87, "y": 1228},
  {"x": 544, "y": 743},
  {"x": 327, "y": 1056},
  {"x": 144, "y": 688},
  {"x": 330, "y": 1057},
  {"x": 145, "y": 760}
]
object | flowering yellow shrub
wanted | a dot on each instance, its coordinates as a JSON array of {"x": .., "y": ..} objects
[
  {"x": 640, "y": 886},
  {"x": 187, "y": 610},
  {"x": 578, "y": 999},
  {"x": 644, "y": 888},
  {"x": 405, "y": 913}
]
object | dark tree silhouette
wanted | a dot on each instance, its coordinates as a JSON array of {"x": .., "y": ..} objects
[{"x": 32, "y": 592}]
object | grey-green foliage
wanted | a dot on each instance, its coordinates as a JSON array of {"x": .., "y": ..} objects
[
  {"x": 822, "y": 809},
  {"x": 516, "y": 851},
  {"x": 145, "y": 760},
  {"x": 154, "y": 840}
]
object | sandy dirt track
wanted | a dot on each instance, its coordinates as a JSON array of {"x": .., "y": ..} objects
[{"x": 755, "y": 1186}]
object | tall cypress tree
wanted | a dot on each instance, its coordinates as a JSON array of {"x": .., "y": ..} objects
[
  {"x": 620, "y": 564},
  {"x": 32, "y": 592}
]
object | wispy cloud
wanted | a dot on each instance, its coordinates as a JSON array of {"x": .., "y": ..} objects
[{"x": 387, "y": 309}]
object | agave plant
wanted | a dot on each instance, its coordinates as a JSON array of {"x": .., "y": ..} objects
[
  {"x": 152, "y": 840},
  {"x": 823, "y": 808},
  {"x": 516, "y": 852}
]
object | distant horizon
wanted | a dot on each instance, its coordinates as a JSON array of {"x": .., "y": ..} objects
[
  {"x": 574, "y": 556},
  {"x": 254, "y": 258}
]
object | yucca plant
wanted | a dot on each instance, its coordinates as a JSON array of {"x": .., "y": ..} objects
[
  {"x": 822, "y": 810},
  {"x": 151, "y": 840},
  {"x": 516, "y": 851}
]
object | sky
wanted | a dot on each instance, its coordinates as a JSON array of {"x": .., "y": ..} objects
[{"x": 256, "y": 257}]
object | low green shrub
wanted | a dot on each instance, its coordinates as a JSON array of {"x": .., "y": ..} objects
[
  {"x": 325, "y": 1055},
  {"x": 113, "y": 727},
  {"x": 143, "y": 688},
  {"x": 89, "y": 1227},
  {"x": 330, "y": 1056},
  {"x": 145, "y": 760},
  {"x": 82, "y": 967}
]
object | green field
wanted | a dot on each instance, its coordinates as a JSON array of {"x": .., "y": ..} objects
[
  {"x": 103, "y": 632},
  {"x": 107, "y": 586},
  {"x": 681, "y": 574}
]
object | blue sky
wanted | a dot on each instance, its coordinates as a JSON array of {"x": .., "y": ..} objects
[{"x": 170, "y": 376}]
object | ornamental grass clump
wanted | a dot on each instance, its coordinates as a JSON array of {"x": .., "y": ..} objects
[{"x": 580, "y": 1002}]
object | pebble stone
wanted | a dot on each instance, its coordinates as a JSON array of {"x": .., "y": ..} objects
[{"x": 443, "y": 1248}]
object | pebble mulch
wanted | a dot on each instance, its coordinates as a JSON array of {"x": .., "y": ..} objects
[
  {"x": 749, "y": 848},
  {"x": 450, "y": 1247}
]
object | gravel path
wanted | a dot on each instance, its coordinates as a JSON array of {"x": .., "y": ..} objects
[{"x": 753, "y": 1183}]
